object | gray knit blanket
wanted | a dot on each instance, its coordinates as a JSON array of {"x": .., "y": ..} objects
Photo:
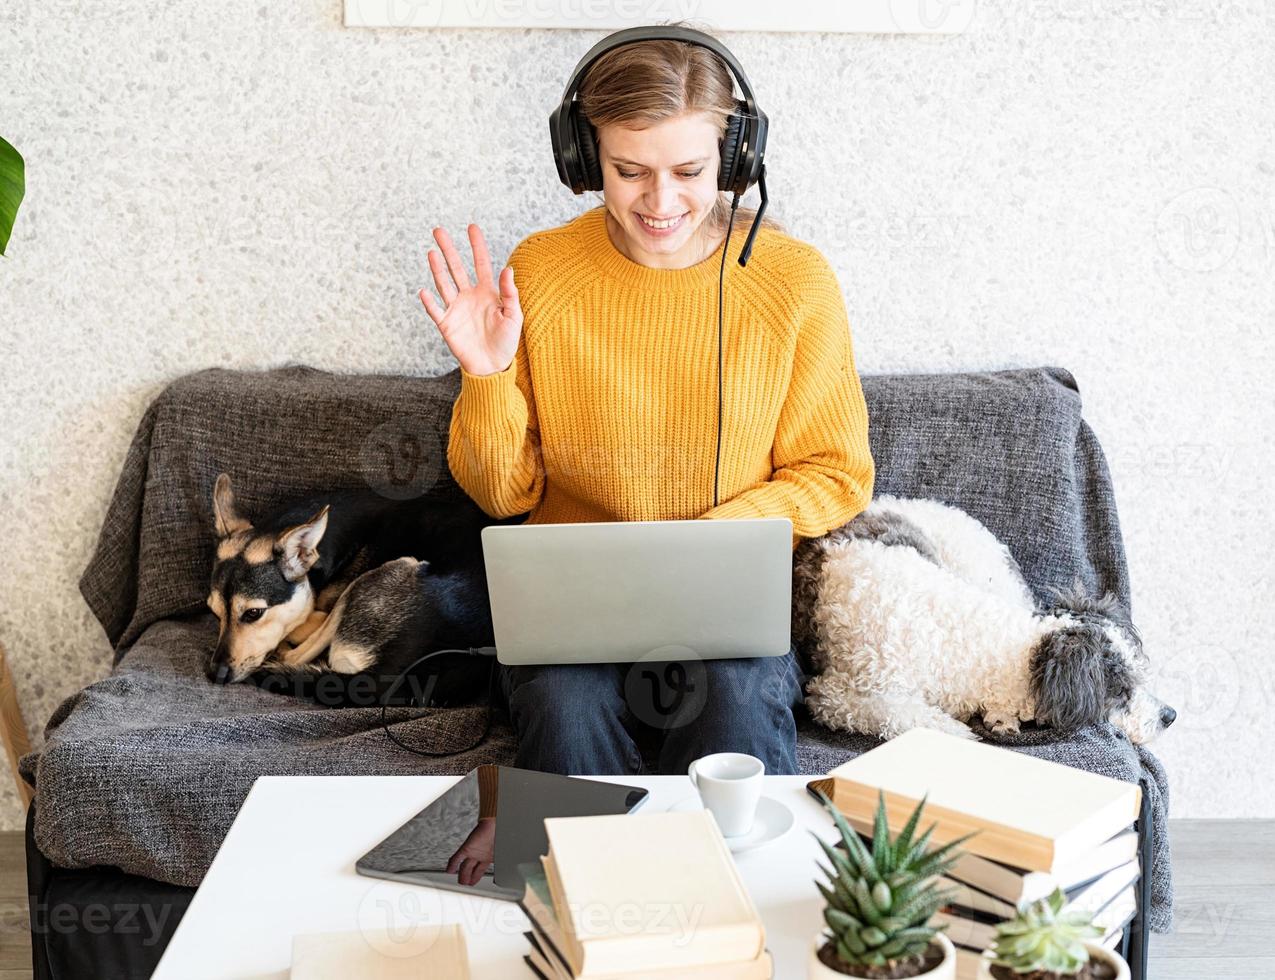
[{"x": 146, "y": 769}]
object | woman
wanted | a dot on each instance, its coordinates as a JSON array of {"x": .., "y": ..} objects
[{"x": 589, "y": 393}]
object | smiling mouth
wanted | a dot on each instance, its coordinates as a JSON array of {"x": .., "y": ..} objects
[{"x": 664, "y": 224}]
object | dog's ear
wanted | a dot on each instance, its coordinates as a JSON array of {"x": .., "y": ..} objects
[
  {"x": 299, "y": 546},
  {"x": 227, "y": 519},
  {"x": 1069, "y": 678}
]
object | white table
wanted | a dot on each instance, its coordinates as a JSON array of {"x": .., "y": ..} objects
[{"x": 287, "y": 866}]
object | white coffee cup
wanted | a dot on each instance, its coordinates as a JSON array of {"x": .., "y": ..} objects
[{"x": 729, "y": 783}]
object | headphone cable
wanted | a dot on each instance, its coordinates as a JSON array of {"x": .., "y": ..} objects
[{"x": 721, "y": 276}]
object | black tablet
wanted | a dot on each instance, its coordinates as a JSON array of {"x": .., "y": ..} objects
[{"x": 473, "y": 837}]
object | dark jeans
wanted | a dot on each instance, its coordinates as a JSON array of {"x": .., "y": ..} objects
[{"x": 585, "y": 718}]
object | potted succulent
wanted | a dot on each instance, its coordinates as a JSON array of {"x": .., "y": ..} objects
[
  {"x": 1044, "y": 942},
  {"x": 880, "y": 901}
]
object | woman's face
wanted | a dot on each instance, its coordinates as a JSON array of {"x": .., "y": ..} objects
[{"x": 666, "y": 171}]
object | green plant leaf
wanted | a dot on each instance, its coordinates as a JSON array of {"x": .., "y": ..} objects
[
  {"x": 940, "y": 861},
  {"x": 902, "y": 943},
  {"x": 917, "y": 909},
  {"x": 881, "y": 836},
  {"x": 850, "y": 946},
  {"x": 827, "y": 893},
  {"x": 882, "y": 897},
  {"x": 854, "y": 847},
  {"x": 841, "y": 921},
  {"x": 904, "y": 841},
  {"x": 866, "y": 905},
  {"x": 839, "y": 860},
  {"x": 13, "y": 186},
  {"x": 845, "y": 895},
  {"x": 919, "y": 846}
]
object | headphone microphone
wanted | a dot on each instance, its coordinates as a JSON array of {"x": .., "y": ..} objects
[{"x": 742, "y": 148}]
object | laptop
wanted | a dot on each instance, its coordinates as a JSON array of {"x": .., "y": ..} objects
[
  {"x": 627, "y": 591},
  {"x": 421, "y": 850}
]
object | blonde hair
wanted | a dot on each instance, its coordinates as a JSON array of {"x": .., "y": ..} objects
[{"x": 644, "y": 83}]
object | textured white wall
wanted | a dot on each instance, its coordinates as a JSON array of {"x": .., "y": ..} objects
[{"x": 1079, "y": 183}]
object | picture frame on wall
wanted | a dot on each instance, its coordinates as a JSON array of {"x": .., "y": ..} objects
[{"x": 857, "y": 16}]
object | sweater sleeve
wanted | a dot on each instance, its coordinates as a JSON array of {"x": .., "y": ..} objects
[
  {"x": 493, "y": 445},
  {"x": 824, "y": 471}
]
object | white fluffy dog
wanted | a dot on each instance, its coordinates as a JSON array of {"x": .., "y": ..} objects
[{"x": 914, "y": 615}]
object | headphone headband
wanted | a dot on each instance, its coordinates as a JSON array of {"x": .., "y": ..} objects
[
  {"x": 631, "y": 35},
  {"x": 742, "y": 147}
]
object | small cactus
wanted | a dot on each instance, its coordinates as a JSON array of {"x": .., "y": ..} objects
[
  {"x": 880, "y": 902},
  {"x": 1042, "y": 938}
]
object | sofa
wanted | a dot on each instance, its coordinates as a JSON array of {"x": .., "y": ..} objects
[{"x": 141, "y": 773}]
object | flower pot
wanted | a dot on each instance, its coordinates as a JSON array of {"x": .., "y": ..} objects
[
  {"x": 1096, "y": 952},
  {"x": 946, "y": 970}
]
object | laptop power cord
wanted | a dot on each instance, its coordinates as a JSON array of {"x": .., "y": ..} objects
[{"x": 480, "y": 652}]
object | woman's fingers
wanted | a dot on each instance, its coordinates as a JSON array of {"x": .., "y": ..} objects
[
  {"x": 508, "y": 291},
  {"x": 436, "y": 312},
  {"x": 454, "y": 263},
  {"x": 482, "y": 259},
  {"x": 442, "y": 279}
]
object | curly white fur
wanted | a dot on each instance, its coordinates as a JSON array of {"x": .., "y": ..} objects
[{"x": 921, "y": 617}]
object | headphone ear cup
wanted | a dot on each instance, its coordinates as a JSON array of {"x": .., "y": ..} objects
[
  {"x": 590, "y": 169},
  {"x": 730, "y": 151}
]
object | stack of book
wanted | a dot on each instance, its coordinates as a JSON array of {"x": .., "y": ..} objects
[
  {"x": 641, "y": 897},
  {"x": 1039, "y": 826}
]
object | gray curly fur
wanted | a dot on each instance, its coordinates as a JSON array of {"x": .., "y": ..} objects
[
  {"x": 1077, "y": 678},
  {"x": 892, "y": 530},
  {"x": 1075, "y": 601}
]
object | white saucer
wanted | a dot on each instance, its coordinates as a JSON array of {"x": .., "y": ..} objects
[{"x": 772, "y": 821}]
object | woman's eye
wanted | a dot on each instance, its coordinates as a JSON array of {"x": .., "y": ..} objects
[
  {"x": 251, "y": 615},
  {"x": 689, "y": 176}
]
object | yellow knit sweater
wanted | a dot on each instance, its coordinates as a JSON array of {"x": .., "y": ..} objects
[{"x": 608, "y": 411}]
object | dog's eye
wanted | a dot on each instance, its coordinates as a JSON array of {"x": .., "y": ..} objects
[{"x": 251, "y": 615}]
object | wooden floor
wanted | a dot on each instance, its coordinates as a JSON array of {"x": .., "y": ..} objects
[
  {"x": 1224, "y": 875},
  {"x": 1224, "y": 913},
  {"x": 15, "y": 924}
]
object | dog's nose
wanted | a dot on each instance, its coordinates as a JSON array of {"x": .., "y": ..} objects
[
  {"x": 219, "y": 673},
  {"x": 1167, "y": 716}
]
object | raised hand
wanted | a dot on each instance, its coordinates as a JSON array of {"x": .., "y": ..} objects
[{"x": 480, "y": 322}]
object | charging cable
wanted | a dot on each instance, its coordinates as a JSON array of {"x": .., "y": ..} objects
[{"x": 491, "y": 693}]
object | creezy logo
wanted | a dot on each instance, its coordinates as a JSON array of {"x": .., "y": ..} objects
[
  {"x": 1204, "y": 682},
  {"x": 667, "y": 687},
  {"x": 401, "y": 459},
  {"x": 1199, "y": 230},
  {"x": 393, "y": 13},
  {"x": 400, "y": 922},
  {"x": 938, "y": 16}
]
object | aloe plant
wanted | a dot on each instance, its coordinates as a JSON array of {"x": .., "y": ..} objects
[
  {"x": 12, "y": 187},
  {"x": 879, "y": 902},
  {"x": 1043, "y": 938}
]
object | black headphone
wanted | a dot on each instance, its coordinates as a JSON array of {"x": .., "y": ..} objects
[{"x": 742, "y": 148}]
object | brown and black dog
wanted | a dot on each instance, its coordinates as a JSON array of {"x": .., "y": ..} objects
[{"x": 351, "y": 583}]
